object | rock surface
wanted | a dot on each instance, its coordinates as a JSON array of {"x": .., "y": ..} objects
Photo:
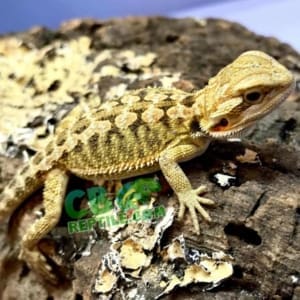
[{"x": 256, "y": 183}]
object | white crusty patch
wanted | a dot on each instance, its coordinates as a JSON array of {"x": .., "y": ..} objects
[
  {"x": 224, "y": 180},
  {"x": 116, "y": 91},
  {"x": 110, "y": 70}
]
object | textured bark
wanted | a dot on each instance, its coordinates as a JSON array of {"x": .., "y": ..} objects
[{"x": 257, "y": 216}]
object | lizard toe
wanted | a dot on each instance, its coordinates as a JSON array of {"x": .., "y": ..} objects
[
  {"x": 190, "y": 199},
  {"x": 201, "y": 189},
  {"x": 201, "y": 210},
  {"x": 181, "y": 211}
]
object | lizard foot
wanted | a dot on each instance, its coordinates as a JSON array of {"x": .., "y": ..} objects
[
  {"x": 37, "y": 262},
  {"x": 190, "y": 199}
]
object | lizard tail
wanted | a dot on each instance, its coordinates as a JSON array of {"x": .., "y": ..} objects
[{"x": 26, "y": 182}]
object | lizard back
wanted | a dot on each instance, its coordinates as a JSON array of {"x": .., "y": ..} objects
[{"x": 128, "y": 133}]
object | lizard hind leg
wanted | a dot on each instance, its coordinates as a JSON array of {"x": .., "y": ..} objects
[
  {"x": 24, "y": 184},
  {"x": 53, "y": 197},
  {"x": 113, "y": 187}
]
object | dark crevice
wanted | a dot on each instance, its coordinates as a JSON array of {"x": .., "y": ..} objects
[
  {"x": 55, "y": 85},
  {"x": 36, "y": 122},
  {"x": 297, "y": 222},
  {"x": 287, "y": 128},
  {"x": 258, "y": 203},
  {"x": 78, "y": 297},
  {"x": 238, "y": 271},
  {"x": 126, "y": 69},
  {"x": 52, "y": 121},
  {"x": 171, "y": 38},
  {"x": 25, "y": 271},
  {"x": 244, "y": 233}
]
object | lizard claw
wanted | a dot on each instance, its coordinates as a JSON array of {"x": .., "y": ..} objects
[
  {"x": 37, "y": 262},
  {"x": 191, "y": 200}
]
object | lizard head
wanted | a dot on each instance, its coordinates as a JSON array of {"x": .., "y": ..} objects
[{"x": 242, "y": 93}]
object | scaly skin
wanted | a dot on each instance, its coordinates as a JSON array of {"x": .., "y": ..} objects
[{"x": 144, "y": 131}]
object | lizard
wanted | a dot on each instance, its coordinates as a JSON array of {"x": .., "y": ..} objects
[{"x": 141, "y": 132}]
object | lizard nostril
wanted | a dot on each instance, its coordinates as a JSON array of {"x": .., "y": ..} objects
[
  {"x": 223, "y": 122},
  {"x": 221, "y": 125}
]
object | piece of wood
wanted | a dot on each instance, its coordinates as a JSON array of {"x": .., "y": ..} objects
[{"x": 257, "y": 216}]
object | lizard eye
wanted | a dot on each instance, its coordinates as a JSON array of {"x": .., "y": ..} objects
[{"x": 253, "y": 96}]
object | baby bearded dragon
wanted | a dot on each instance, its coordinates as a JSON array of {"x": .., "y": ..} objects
[{"x": 142, "y": 132}]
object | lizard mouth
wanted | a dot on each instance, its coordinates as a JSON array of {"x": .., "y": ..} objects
[{"x": 224, "y": 129}]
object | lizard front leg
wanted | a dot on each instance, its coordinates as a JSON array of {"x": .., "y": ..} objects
[
  {"x": 53, "y": 197},
  {"x": 187, "y": 196}
]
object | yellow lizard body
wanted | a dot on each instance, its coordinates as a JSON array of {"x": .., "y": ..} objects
[{"x": 144, "y": 131}]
